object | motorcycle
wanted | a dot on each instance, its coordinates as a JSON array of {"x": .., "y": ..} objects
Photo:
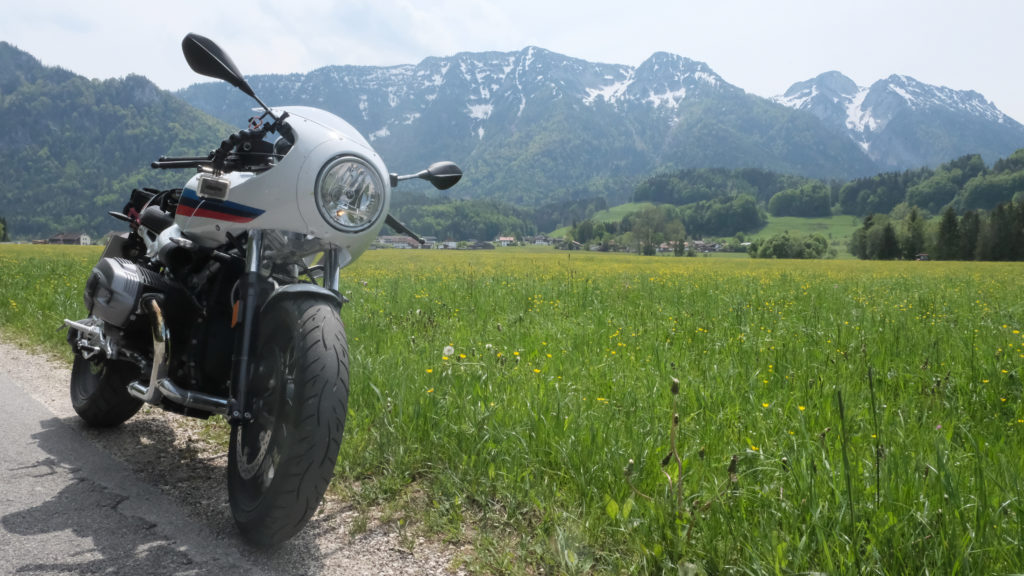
[{"x": 223, "y": 298}]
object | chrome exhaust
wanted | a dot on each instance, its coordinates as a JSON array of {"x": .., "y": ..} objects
[
  {"x": 160, "y": 386},
  {"x": 167, "y": 389}
]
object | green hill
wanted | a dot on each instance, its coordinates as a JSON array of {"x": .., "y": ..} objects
[{"x": 74, "y": 148}]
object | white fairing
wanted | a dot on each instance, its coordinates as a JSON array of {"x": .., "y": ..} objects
[{"x": 282, "y": 198}]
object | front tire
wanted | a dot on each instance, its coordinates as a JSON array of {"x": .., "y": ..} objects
[
  {"x": 280, "y": 463},
  {"x": 99, "y": 391}
]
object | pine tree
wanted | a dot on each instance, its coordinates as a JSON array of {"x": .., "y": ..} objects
[
  {"x": 913, "y": 241},
  {"x": 970, "y": 228},
  {"x": 947, "y": 242},
  {"x": 890, "y": 247}
]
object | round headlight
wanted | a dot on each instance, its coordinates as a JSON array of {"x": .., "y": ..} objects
[{"x": 349, "y": 194}]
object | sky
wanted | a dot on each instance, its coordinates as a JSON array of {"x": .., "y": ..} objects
[{"x": 760, "y": 46}]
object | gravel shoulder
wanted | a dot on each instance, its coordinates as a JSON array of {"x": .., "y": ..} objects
[{"x": 168, "y": 451}]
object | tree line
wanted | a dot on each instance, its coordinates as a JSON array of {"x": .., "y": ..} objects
[
  {"x": 996, "y": 235},
  {"x": 964, "y": 184}
]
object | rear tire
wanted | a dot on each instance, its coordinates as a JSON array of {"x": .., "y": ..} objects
[
  {"x": 280, "y": 464},
  {"x": 99, "y": 391}
]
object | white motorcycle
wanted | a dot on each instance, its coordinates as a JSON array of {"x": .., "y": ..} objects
[{"x": 223, "y": 299}]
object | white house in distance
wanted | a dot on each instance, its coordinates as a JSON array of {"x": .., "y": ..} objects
[
  {"x": 77, "y": 239},
  {"x": 506, "y": 240}
]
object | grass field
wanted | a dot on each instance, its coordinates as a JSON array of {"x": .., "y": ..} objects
[
  {"x": 613, "y": 214},
  {"x": 837, "y": 229},
  {"x": 605, "y": 413}
]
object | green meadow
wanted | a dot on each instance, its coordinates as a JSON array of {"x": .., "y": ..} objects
[{"x": 581, "y": 413}]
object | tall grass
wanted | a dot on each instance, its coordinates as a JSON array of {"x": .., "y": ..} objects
[{"x": 525, "y": 401}]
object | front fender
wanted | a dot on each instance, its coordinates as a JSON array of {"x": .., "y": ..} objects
[{"x": 329, "y": 296}]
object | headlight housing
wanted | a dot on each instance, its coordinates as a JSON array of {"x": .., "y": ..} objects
[{"x": 349, "y": 194}]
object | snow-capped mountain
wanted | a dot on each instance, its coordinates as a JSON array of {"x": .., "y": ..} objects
[
  {"x": 901, "y": 122},
  {"x": 379, "y": 100},
  {"x": 534, "y": 123}
]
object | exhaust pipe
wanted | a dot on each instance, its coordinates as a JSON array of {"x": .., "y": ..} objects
[
  {"x": 160, "y": 386},
  {"x": 166, "y": 389}
]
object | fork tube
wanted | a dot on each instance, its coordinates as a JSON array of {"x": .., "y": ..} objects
[
  {"x": 332, "y": 269},
  {"x": 248, "y": 307}
]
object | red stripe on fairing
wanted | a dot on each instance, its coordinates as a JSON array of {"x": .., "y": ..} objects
[{"x": 188, "y": 212}]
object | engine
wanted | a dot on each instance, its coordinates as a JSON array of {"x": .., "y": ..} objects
[{"x": 116, "y": 286}]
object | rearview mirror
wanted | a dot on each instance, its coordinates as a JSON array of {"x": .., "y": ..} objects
[
  {"x": 443, "y": 175},
  {"x": 206, "y": 58}
]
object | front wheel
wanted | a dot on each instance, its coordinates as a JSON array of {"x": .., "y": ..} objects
[{"x": 280, "y": 463}]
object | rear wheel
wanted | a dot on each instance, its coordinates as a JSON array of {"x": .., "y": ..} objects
[
  {"x": 280, "y": 463},
  {"x": 99, "y": 391}
]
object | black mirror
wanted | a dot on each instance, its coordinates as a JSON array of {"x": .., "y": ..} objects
[
  {"x": 443, "y": 175},
  {"x": 206, "y": 58}
]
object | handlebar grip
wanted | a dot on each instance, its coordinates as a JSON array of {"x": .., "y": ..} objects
[{"x": 184, "y": 163}]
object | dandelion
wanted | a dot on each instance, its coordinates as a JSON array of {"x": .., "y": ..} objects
[
  {"x": 431, "y": 391},
  {"x": 462, "y": 356},
  {"x": 536, "y": 370},
  {"x": 765, "y": 404},
  {"x": 430, "y": 370},
  {"x": 802, "y": 408},
  {"x": 754, "y": 448},
  {"x": 449, "y": 350}
]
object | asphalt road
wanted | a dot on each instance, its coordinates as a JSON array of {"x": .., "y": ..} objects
[
  {"x": 142, "y": 498},
  {"x": 68, "y": 507}
]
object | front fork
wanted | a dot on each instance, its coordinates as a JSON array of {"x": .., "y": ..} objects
[{"x": 250, "y": 304}]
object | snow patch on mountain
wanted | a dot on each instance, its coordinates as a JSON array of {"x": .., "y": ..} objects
[
  {"x": 480, "y": 111},
  {"x": 668, "y": 99},
  {"x": 798, "y": 99},
  {"x": 857, "y": 118},
  {"x": 610, "y": 92}
]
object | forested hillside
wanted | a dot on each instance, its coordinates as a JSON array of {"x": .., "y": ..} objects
[
  {"x": 74, "y": 148},
  {"x": 982, "y": 209}
]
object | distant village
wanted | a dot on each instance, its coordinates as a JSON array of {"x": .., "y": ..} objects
[
  {"x": 432, "y": 243},
  {"x": 76, "y": 239}
]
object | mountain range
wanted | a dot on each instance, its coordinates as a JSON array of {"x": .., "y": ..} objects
[
  {"x": 901, "y": 123},
  {"x": 529, "y": 127}
]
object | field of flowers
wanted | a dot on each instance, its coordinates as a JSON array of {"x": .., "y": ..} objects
[{"x": 594, "y": 413}]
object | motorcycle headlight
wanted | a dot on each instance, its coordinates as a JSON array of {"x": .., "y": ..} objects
[{"x": 349, "y": 194}]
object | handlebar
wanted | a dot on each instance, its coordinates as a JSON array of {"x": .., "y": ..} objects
[
  {"x": 166, "y": 162},
  {"x": 237, "y": 151}
]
